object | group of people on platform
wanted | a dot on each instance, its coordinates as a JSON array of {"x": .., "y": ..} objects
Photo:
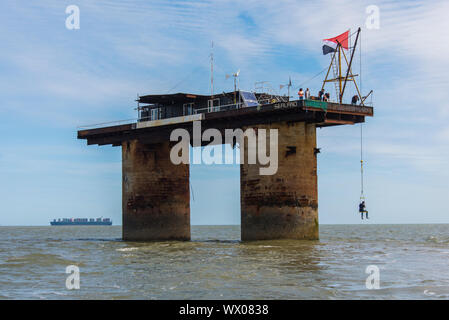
[
  {"x": 306, "y": 95},
  {"x": 322, "y": 96}
]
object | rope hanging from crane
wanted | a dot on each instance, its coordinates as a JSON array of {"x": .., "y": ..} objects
[
  {"x": 362, "y": 206},
  {"x": 362, "y": 196}
]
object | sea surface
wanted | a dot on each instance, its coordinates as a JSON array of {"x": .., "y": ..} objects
[{"x": 413, "y": 263}]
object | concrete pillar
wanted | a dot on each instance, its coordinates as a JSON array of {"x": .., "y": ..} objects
[
  {"x": 283, "y": 205},
  {"x": 156, "y": 197}
]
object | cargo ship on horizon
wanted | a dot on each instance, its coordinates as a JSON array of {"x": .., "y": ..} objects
[{"x": 81, "y": 222}]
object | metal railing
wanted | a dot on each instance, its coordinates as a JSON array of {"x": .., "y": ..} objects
[
  {"x": 195, "y": 111},
  {"x": 225, "y": 107},
  {"x": 111, "y": 123},
  {"x": 102, "y": 124}
]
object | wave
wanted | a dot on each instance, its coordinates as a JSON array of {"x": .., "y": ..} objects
[
  {"x": 127, "y": 249},
  {"x": 39, "y": 259}
]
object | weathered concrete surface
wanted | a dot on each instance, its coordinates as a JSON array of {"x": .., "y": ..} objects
[
  {"x": 156, "y": 197},
  {"x": 283, "y": 205}
]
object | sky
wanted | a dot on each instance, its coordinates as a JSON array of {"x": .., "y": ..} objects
[{"x": 53, "y": 80}]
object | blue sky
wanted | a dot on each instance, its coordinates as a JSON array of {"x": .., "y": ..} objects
[{"x": 53, "y": 79}]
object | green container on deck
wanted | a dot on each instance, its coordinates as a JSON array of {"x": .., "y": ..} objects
[{"x": 316, "y": 104}]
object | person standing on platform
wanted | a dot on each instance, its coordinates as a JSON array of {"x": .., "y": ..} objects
[
  {"x": 321, "y": 94},
  {"x": 301, "y": 94}
]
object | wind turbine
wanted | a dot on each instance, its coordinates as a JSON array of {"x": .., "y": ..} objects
[
  {"x": 236, "y": 76},
  {"x": 288, "y": 85}
]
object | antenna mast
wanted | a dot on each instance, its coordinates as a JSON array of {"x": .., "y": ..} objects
[
  {"x": 212, "y": 70},
  {"x": 289, "y": 85},
  {"x": 236, "y": 75}
]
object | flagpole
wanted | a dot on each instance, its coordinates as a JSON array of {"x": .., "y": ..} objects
[{"x": 339, "y": 69}]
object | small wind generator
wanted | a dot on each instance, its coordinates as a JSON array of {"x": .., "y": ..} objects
[{"x": 236, "y": 79}]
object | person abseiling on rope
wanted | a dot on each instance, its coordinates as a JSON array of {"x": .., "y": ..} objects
[
  {"x": 301, "y": 94},
  {"x": 362, "y": 209},
  {"x": 355, "y": 99}
]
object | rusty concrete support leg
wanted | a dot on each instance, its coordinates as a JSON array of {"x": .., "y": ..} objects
[
  {"x": 283, "y": 205},
  {"x": 156, "y": 197}
]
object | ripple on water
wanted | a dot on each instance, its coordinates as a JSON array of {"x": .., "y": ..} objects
[
  {"x": 38, "y": 259},
  {"x": 127, "y": 249}
]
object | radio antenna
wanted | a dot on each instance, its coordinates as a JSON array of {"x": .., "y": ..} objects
[{"x": 212, "y": 70}]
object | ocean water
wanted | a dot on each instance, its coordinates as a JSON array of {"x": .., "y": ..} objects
[{"x": 413, "y": 263}]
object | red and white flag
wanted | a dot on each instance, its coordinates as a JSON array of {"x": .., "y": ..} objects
[{"x": 330, "y": 45}]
